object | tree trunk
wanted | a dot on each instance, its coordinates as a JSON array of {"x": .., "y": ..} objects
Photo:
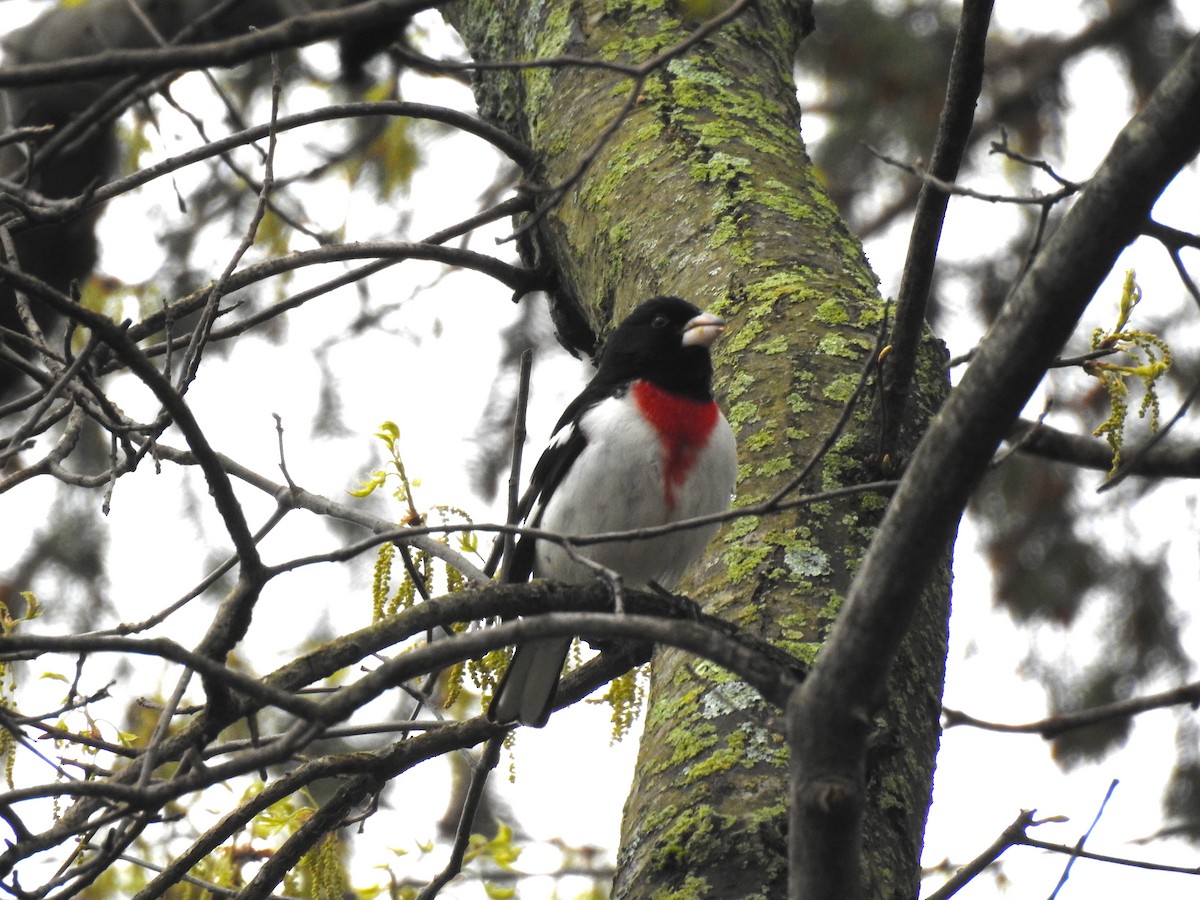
[{"x": 705, "y": 191}]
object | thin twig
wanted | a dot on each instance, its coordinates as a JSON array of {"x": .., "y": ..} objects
[
  {"x": 966, "y": 874},
  {"x": 1174, "y": 240},
  {"x": 1083, "y": 838},
  {"x": 51, "y": 210},
  {"x": 282, "y": 457},
  {"x": 73, "y": 136},
  {"x": 951, "y": 188},
  {"x": 572, "y": 542},
  {"x": 208, "y": 314},
  {"x": 295, "y": 31},
  {"x": 25, "y": 133},
  {"x": 1001, "y": 146},
  {"x": 462, "y": 836},
  {"x": 1025, "y": 439},
  {"x": 203, "y": 585},
  {"x": 1053, "y": 726},
  {"x": 17, "y": 440},
  {"x": 1108, "y": 858},
  {"x": 153, "y": 323}
]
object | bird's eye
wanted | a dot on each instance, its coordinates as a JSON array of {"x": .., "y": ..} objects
[{"x": 659, "y": 321}]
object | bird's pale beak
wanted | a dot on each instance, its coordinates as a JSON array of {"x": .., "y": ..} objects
[{"x": 702, "y": 330}]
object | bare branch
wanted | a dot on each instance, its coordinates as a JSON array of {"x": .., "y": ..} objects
[
  {"x": 1045, "y": 65},
  {"x": 954, "y": 189},
  {"x": 1052, "y": 726},
  {"x": 1108, "y": 858},
  {"x": 765, "y": 667},
  {"x": 47, "y": 210},
  {"x": 17, "y": 646},
  {"x": 115, "y": 337},
  {"x": 154, "y": 322},
  {"x": 384, "y": 530},
  {"x": 1045, "y": 441},
  {"x": 462, "y": 837},
  {"x": 27, "y": 133},
  {"x": 954, "y": 128},
  {"x": 966, "y": 874},
  {"x": 298, "y": 31},
  {"x": 212, "y": 301}
]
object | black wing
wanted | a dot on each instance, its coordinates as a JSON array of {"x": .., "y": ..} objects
[
  {"x": 554, "y": 463},
  {"x": 566, "y": 443}
]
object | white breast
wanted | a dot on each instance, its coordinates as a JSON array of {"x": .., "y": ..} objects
[{"x": 616, "y": 484}]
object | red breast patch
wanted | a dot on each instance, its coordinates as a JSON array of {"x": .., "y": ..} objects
[{"x": 683, "y": 427}]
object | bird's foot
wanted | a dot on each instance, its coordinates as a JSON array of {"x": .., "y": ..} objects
[{"x": 680, "y": 606}]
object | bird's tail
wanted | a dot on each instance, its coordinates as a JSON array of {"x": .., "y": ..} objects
[{"x": 526, "y": 692}]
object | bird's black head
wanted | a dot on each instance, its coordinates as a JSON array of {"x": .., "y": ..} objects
[{"x": 664, "y": 341}]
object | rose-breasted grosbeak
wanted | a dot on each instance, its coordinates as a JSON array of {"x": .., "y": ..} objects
[{"x": 644, "y": 444}]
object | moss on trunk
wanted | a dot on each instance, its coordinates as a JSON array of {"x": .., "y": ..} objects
[{"x": 706, "y": 191}]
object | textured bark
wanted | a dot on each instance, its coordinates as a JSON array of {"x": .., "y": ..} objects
[{"x": 706, "y": 191}]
